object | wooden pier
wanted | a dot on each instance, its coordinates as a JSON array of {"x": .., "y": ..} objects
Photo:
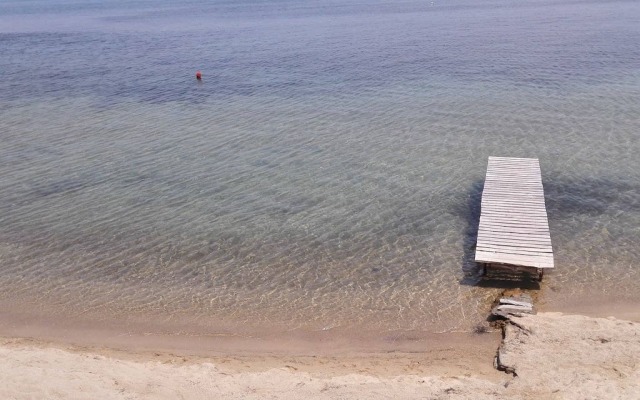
[{"x": 514, "y": 229}]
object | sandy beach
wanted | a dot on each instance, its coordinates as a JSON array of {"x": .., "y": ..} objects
[
  {"x": 549, "y": 355},
  {"x": 302, "y": 219}
]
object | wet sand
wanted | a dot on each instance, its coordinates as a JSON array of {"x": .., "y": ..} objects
[{"x": 549, "y": 355}]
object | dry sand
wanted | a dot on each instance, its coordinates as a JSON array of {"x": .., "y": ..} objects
[
  {"x": 558, "y": 356},
  {"x": 548, "y": 355}
]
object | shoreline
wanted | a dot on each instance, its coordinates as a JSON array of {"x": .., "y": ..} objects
[
  {"x": 548, "y": 355},
  {"x": 52, "y": 357},
  {"x": 185, "y": 335},
  {"x": 141, "y": 338}
]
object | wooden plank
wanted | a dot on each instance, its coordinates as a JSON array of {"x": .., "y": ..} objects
[
  {"x": 526, "y": 202},
  {"x": 514, "y": 243},
  {"x": 541, "y": 230},
  {"x": 524, "y": 170},
  {"x": 495, "y": 212},
  {"x": 483, "y": 245},
  {"x": 513, "y": 192},
  {"x": 528, "y": 261},
  {"x": 497, "y": 215},
  {"x": 523, "y": 243},
  {"x": 521, "y": 168},
  {"x": 509, "y": 165},
  {"x": 532, "y": 243},
  {"x": 522, "y": 219},
  {"x": 513, "y": 159},
  {"x": 506, "y": 222},
  {"x": 517, "y": 257},
  {"x": 537, "y": 260},
  {"x": 527, "y": 251},
  {"x": 540, "y": 233},
  {"x": 501, "y": 255},
  {"x": 515, "y": 250},
  {"x": 508, "y": 202},
  {"x": 515, "y": 228},
  {"x": 509, "y": 211},
  {"x": 529, "y": 201},
  {"x": 514, "y": 235},
  {"x": 510, "y": 161},
  {"x": 519, "y": 184},
  {"x": 507, "y": 173},
  {"x": 511, "y": 238},
  {"x": 513, "y": 223},
  {"x": 515, "y": 179},
  {"x": 497, "y": 182}
]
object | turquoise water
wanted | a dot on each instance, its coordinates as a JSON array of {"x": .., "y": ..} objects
[{"x": 326, "y": 172}]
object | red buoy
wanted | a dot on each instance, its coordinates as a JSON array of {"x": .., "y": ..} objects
[{"x": 199, "y": 75}]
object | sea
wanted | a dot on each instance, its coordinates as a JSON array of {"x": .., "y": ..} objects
[{"x": 324, "y": 175}]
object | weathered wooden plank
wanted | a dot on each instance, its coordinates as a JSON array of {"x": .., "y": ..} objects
[
  {"x": 525, "y": 200},
  {"x": 524, "y": 245},
  {"x": 537, "y": 260},
  {"x": 507, "y": 223},
  {"x": 515, "y": 243},
  {"x": 515, "y": 192},
  {"x": 514, "y": 235},
  {"x": 514, "y": 238},
  {"x": 529, "y": 261},
  {"x": 521, "y": 219},
  {"x": 514, "y": 202},
  {"x": 506, "y": 210},
  {"x": 512, "y": 181},
  {"x": 497, "y": 171},
  {"x": 517, "y": 258},
  {"x": 512, "y": 211},
  {"x": 515, "y": 179},
  {"x": 492, "y": 227},
  {"x": 520, "y": 169},
  {"x": 524, "y": 168},
  {"x": 518, "y": 247},
  {"x": 533, "y": 233},
  {"x": 513, "y": 161},
  {"x": 511, "y": 204},
  {"x": 517, "y": 229},
  {"x": 533, "y": 251},
  {"x": 539, "y": 257}
]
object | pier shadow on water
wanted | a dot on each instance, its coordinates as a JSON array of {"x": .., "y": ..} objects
[{"x": 473, "y": 272}]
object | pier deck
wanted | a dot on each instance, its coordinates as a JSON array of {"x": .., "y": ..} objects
[{"x": 514, "y": 229}]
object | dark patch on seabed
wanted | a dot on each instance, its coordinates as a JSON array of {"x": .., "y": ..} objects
[{"x": 593, "y": 196}]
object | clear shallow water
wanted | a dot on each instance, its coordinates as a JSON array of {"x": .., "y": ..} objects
[{"x": 325, "y": 174}]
